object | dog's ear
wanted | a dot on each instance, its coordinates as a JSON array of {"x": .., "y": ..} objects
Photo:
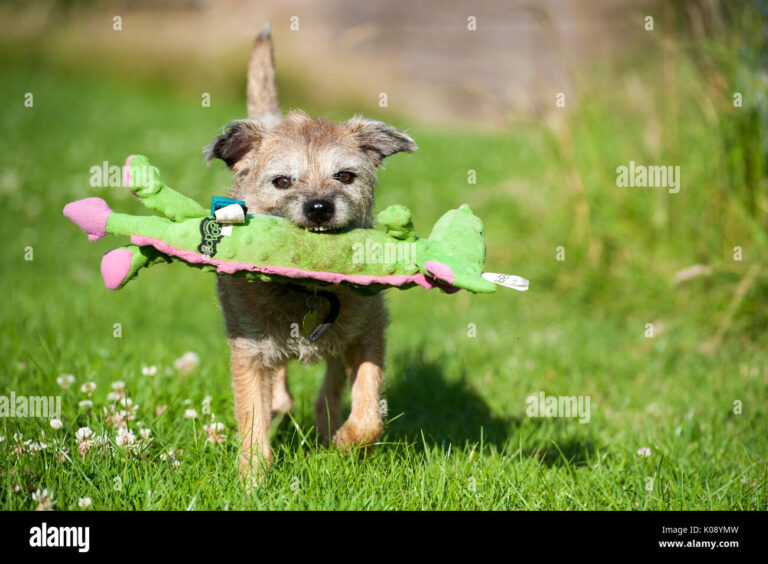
[
  {"x": 238, "y": 145},
  {"x": 378, "y": 140}
]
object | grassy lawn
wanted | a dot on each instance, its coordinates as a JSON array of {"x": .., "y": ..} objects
[{"x": 459, "y": 368}]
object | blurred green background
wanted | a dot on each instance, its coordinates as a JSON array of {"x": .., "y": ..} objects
[{"x": 546, "y": 178}]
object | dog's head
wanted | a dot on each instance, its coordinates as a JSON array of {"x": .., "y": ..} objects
[{"x": 319, "y": 174}]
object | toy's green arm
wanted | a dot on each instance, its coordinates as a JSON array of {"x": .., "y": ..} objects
[{"x": 144, "y": 181}]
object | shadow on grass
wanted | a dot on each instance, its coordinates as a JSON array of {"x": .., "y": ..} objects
[
  {"x": 421, "y": 399},
  {"x": 564, "y": 453}
]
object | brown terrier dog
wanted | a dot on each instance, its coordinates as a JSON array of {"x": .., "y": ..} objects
[{"x": 321, "y": 175}]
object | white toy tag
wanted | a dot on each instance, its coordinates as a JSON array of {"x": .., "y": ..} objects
[
  {"x": 232, "y": 213},
  {"x": 507, "y": 280}
]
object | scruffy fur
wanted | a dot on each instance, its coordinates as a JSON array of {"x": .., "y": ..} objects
[{"x": 261, "y": 318}]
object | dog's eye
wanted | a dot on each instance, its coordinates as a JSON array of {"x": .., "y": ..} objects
[
  {"x": 344, "y": 176},
  {"x": 282, "y": 182}
]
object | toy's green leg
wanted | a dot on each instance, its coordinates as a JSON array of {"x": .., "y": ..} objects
[
  {"x": 144, "y": 181},
  {"x": 120, "y": 266}
]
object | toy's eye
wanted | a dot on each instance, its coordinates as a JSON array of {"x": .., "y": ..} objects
[
  {"x": 344, "y": 176},
  {"x": 282, "y": 182}
]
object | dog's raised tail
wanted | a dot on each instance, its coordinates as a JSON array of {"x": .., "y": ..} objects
[{"x": 262, "y": 87}]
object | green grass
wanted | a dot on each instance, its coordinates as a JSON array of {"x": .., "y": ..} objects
[{"x": 457, "y": 435}]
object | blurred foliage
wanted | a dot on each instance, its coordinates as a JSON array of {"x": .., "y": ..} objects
[{"x": 672, "y": 101}]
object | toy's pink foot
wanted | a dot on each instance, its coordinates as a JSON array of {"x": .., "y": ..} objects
[
  {"x": 115, "y": 267},
  {"x": 90, "y": 215}
]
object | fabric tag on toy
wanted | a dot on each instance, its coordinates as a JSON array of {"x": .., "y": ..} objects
[
  {"x": 507, "y": 280},
  {"x": 228, "y": 212},
  {"x": 210, "y": 231},
  {"x": 233, "y": 213}
]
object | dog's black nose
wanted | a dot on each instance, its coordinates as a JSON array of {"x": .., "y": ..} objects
[{"x": 319, "y": 211}]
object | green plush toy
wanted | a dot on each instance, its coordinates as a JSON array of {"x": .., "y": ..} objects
[{"x": 261, "y": 247}]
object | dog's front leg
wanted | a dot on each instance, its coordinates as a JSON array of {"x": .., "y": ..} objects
[
  {"x": 282, "y": 401},
  {"x": 364, "y": 426},
  {"x": 252, "y": 384}
]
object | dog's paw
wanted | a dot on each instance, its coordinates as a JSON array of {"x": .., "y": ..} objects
[
  {"x": 354, "y": 435},
  {"x": 253, "y": 471}
]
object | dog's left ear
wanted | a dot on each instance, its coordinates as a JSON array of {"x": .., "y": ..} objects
[
  {"x": 237, "y": 146},
  {"x": 378, "y": 140}
]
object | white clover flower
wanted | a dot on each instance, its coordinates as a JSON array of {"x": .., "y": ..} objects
[
  {"x": 187, "y": 362},
  {"x": 118, "y": 386},
  {"x": 119, "y": 419},
  {"x": 214, "y": 432},
  {"x": 114, "y": 396},
  {"x": 20, "y": 449},
  {"x": 65, "y": 381},
  {"x": 56, "y": 424},
  {"x": 88, "y": 388},
  {"x": 84, "y": 502},
  {"x": 85, "y": 404},
  {"x": 171, "y": 456},
  {"x": 145, "y": 433},
  {"x": 645, "y": 451},
  {"x": 84, "y": 434},
  {"x": 125, "y": 438},
  {"x": 44, "y": 499},
  {"x": 148, "y": 370},
  {"x": 61, "y": 452},
  {"x": 2, "y": 438},
  {"x": 190, "y": 414},
  {"x": 38, "y": 446}
]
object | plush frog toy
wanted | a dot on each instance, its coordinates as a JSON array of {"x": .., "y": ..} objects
[{"x": 228, "y": 240}]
